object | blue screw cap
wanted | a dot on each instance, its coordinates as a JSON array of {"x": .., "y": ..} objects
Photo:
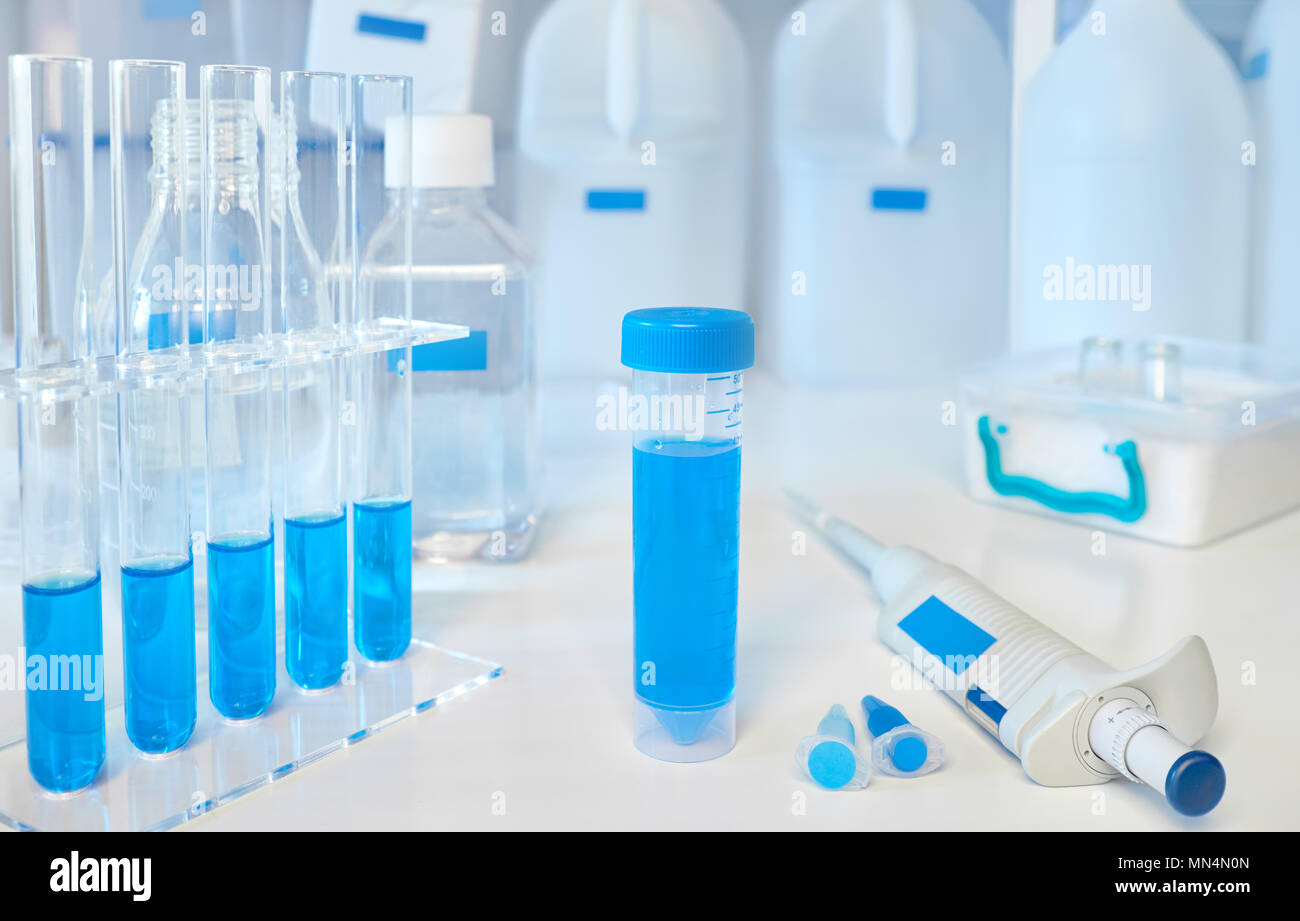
[{"x": 688, "y": 340}]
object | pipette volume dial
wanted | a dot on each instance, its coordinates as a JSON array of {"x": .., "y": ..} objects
[{"x": 1131, "y": 739}]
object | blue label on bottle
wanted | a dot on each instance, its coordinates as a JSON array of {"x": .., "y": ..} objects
[
  {"x": 221, "y": 325},
  {"x": 167, "y": 9},
  {"x": 616, "y": 199},
  {"x": 946, "y": 635},
  {"x": 163, "y": 332},
  {"x": 883, "y": 199},
  {"x": 468, "y": 354},
  {"x": 388, "y": 27},
  {"x": 1256, "y": 67}
]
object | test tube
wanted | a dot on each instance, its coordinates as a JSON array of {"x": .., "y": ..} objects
[
  {"x": 146, "y": 128},
  {"x": 685, "y": 413},
  {"x": 235, "y": 106},
  {"x": 311, "y": 193},
  {"x": 381, "y": 506},
  {"x": 51, "y": 150}
]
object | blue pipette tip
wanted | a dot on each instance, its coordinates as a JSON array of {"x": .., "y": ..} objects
[
  {"x": 898, "y": 747},
  {"x": 829, "y": 756},
  {"x": 686, "y": 727},
  {"x": 832, "y": 764},
  {"x": 909, "y": 753},
  {"x": 1195, "y": 783}
]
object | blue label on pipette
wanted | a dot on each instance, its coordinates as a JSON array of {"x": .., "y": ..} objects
[
  {"x": 946, "y": 635},
  {"x": 980, "y": 699}
]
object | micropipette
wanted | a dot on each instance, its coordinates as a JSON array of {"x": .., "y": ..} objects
[{"x": 1068, "y": 716}]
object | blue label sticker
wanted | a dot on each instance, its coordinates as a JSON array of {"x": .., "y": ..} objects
[
  {"x": 946, "y": 635},
  {"x": 616, "y": 199},
  {"x": 1256, "y": 67},
  {"x": 168, "y": 9},
  {"x": 978, "y": 698},
  {"x": 164, "y": 330},
  {"x": 468, "y": 354},
  {"x": 388, "y": 27},
  {"x": 221, "y": 325},
  {"x": 899, "y": 199}
]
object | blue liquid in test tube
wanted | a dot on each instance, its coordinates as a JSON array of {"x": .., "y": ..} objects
[
  {"x": 158, "y": 650},
  {"x": 685, "y": 514},
  {"x": 381, "y": 573},
  {"x": 52, "y": 157},
  {"x": 241, "y": 625},
  {"x": 316, "y": 593},
  {"x": 381, "y": 493},
  {"x": 65, "y": 702}
]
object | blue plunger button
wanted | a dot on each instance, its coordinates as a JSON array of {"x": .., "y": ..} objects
[{"x": 1195, "y": 783}]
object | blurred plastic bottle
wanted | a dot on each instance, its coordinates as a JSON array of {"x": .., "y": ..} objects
[
  {"x": 633, "y": 121},
  {"x": 891, "y": 134},
  {"x": 1270, "y": 61},
  {"x": 1133, "y": 183},
  {"x": 475, "y": 414}
]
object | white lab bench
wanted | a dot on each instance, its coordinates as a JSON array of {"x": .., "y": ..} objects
[{"x": 548, "y": 745}]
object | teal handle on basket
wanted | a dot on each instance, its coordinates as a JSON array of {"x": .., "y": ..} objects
[{"x": 1122, "y": 508}]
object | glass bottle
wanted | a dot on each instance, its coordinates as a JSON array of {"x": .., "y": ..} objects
[{"x": 475, "y": 405}]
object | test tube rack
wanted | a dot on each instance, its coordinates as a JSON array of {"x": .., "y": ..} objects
[{"x": 222, "y": 759}]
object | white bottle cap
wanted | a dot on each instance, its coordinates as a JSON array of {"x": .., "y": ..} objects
[{"x": 447, "y": 152}]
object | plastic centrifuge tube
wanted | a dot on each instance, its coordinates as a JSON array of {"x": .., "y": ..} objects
[
  {"x": 688, "y": 371},
  {"x": 235, "y": 108},
  {"x": 381, "y": 506},
  {"x": 52, "y": 147},
  {"x": 312, "y": 113},
  {"x": 149, "y": 189}
]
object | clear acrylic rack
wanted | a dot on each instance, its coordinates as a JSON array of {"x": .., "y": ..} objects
[
  {"x": 223, "y": 761},
  {"x": 307, "y": 337}
]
